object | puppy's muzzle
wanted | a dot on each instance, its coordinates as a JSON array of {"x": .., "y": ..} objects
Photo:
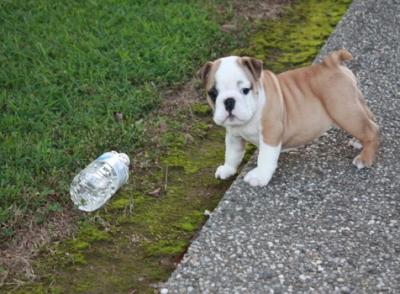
[{"x": 229, "y": 104}]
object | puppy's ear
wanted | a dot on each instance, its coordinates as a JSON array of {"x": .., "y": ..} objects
[
  {"x": 255, "y": 66},
  {"x": 204, "y": 72}
]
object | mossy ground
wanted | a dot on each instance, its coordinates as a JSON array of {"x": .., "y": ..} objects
[
  {"x": 137, "y": 238},
  {"x": 295, "y": 39}
]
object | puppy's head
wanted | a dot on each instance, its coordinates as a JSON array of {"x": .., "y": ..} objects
[{"x": 232, "y": 85}]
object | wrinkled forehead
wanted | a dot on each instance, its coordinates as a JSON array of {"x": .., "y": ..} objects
[{"x": 230, "y": 73}]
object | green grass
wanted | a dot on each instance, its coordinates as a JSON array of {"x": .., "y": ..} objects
[{"x": 67, "y": 67}]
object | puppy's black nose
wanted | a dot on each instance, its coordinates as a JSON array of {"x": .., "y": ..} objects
[{"x": 229, "y": 104}]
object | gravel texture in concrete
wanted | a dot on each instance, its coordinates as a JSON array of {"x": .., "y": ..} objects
[{"x": 321, "y": 225}]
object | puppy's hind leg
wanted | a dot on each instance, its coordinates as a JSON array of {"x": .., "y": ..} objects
[
  {"x": 370, "y": 140},
  {"x": 366, "y": 132},
  {"x": 353, "y": 116}
]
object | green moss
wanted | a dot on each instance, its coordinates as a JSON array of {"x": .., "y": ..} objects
[
  {"x": 191, "y": 223},
  {"x": 166, "y": 247},
  {"x": 178, "y": 158},
  {"x": 120, "y": 203},
  {"x": 139, "y": 199},
  {"x": 83, "y": 287},
  {"x": 295, "y": 39},
  {"x": 173, "y": 139},
  {"x": 78, "y": 259},
  {"x": 158, "y": 273},
  {"x": 56, "y": 290},
  {"x": 250, "y": 149},
  {"x": 202, "y": 126},
  {"x": 90, "y": 233},
  {"x": 200, "y": 129},
  {"x": 201, "y": 109},
  {"x": 77, "y": 245},
  {"x": 127, "y": 216},
  {"x": 38, "y": 289},
  {"x": 189, "y": 227}
]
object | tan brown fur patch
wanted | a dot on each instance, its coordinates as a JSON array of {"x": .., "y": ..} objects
[
  {"x": 207, "y": 75},
  {"x": 272, "y": 116},
  {"x": 301, "y": 104},
  {"x": 252, "y": 71}
]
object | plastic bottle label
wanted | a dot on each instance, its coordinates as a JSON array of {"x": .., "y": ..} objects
[{"x": 119, "y": 167}]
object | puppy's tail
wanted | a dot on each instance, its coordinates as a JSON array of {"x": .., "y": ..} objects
[{"x": 337, "y": 57}]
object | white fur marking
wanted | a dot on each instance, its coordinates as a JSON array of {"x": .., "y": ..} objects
[
  {"x": 233, "y": 157},
  {"x": 267, "y": 162},
  {"x": 358, "y": 162},
  {"x": 355, "y": 144}
]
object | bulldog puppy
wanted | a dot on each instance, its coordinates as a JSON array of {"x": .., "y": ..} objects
[{"x": 285, "y": 110}]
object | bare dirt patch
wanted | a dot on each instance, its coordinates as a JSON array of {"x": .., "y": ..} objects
[
  {"x": 17, "y": 254},
  {"x": 251, "y": 11},
  {"x": 255, "y": 9}
]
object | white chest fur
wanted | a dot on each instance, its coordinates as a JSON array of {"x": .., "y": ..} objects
[{"x": 251, "y": 131}]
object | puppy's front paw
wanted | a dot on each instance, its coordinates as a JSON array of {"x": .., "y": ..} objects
[
  {"x": 258, "y": 177},
  {"x": 224, "y": 171}
]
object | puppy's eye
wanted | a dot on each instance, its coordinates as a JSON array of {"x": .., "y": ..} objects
[
  {"x": 245, "y": 91},
  {"x": 213, "y": 93}
]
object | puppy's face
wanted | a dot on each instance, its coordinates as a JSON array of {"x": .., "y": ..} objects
[{"x": 232, "y": 85}]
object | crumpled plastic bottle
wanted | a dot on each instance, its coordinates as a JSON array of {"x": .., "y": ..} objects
[{"x": 94, "y": 186}]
